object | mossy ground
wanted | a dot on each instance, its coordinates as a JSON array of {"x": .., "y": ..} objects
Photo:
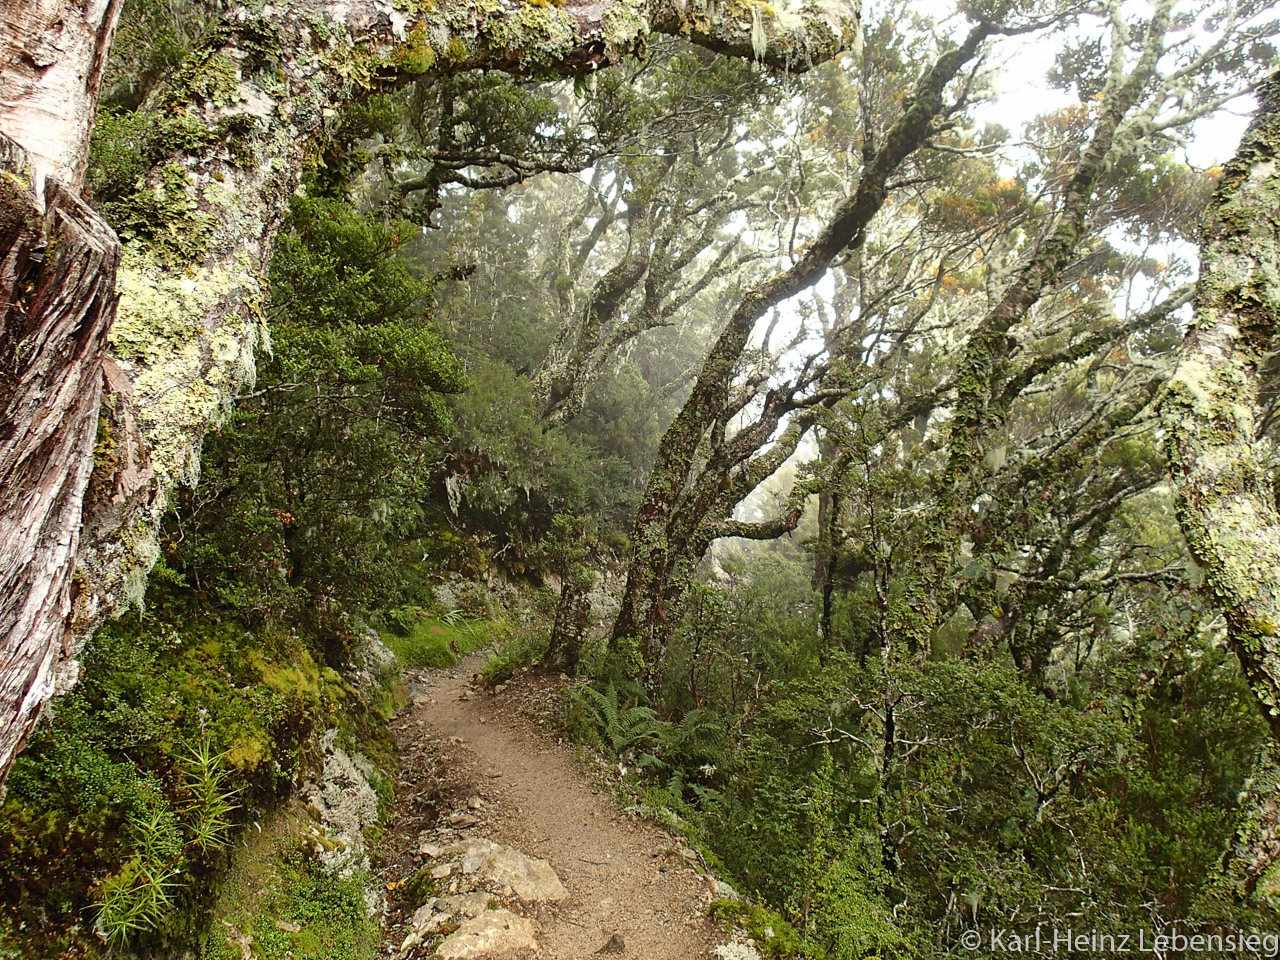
[
  {"x": 277, "y": 903},
  {"x": 102, "y": 784},
  {"x": 772, "y": 935}
]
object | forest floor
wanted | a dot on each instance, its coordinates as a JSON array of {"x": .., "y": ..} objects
[{"x": 480, "y": 765}]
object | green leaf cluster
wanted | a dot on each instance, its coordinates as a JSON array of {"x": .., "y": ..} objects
[{"x": 313, "y": 495}]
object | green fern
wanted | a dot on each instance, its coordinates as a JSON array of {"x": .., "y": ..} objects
[
  {"x": 620, "y": 728},
  {"x": 699, "y": 740}
]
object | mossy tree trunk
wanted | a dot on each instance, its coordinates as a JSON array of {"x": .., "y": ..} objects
[
  {"x": 573, "y": 615},
  {"x": 587, "y": 338},
  {"x": 222, "y": 144},
  {"x": 672, "y": 230},
  {"x": 685, "y": 505},
  {"x": 1223, "y": 469}
]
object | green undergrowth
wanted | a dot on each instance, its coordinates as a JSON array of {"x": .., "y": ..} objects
[
  {"x": 185, "y": 729},
  {"x": 519, "y": 648},
  {"x": 773, "y": 936},
  {"x": 419, "y": 640},
  {"x": 275, "y": 901},
  {"x": 853, "y": 841}
]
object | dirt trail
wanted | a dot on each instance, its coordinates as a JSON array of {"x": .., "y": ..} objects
[{"x": 624, "y": 877}]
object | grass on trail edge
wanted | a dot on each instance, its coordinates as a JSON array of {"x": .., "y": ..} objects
[{"x": 432, "y": 642}]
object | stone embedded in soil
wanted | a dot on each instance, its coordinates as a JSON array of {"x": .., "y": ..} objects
[
  {"x": 464, "y": 771},
  {"x": 529, "y": 878},
  {"x": 492, "y": 934},
  {"x": 439, "y": 909},
  {"x": 615, "y": 945},
  {"x": 509, "y": 871},
  {"x": 723, "y": 891}
]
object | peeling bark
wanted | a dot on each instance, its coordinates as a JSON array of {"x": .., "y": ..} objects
[
  {"x": 51, "y": 61},
  {"x": 57, "y": 271}
]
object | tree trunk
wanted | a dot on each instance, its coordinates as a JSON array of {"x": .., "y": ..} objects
[
  {"x": 573, "y": 613},
  {"x": 1225, "y": 492},
  {"x": 226, "y": 137},
  {"x": 656, "y": 554},
  {"x": 582, "y": 344},
  {"x": 244, "y": 110},
  {"x": 52, "y": 56},
  {"x": 57, "y": 265}
]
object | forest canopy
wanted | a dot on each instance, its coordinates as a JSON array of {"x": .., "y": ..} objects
[{"x": 896, "y": 484}]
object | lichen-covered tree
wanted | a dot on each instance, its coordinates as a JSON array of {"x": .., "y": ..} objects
[
  {"x": 1222, "y": 461},
  {"x": 1141, "y": 81},
  {"x": 1144, "y": 83},
  {"x": 710, "y": 457},
  {"x": 216, "y": 151}
]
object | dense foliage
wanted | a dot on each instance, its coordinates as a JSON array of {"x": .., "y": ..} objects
[
  {"x": 313, "y": 494},
  {"x": 573, "y": 334},
  {"x": 884, "y": 806},
  {"x": 198, "y": 717}
]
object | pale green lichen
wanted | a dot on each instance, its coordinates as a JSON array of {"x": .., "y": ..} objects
[
  {"x": 141, "y": 551},
  {"x": 540, "y": 33},
  {"x": 186, "y": 377},
  {"x": 1210, "y": 398},
  {"x": 759, "y": 38},
  {"x": 623, "y": 26},
  {"x": 207, "y": 78},
  {"x": 415, "y": 55}
]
